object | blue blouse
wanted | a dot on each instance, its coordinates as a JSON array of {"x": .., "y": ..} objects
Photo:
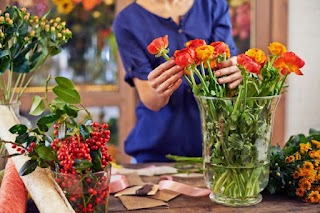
[{"x": 176, "y": 128}]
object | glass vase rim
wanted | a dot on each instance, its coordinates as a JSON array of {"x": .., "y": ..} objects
[
  {"x": 106, "y": 169},
  {"x": 236, "y": 97}
]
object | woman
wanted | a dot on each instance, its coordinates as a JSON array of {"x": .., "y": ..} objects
[{"x": 168, "y": 119}]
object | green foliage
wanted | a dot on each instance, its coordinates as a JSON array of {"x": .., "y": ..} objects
[
  {"x": 62, "y": 110},
  {"x": 26, "y": 42}
]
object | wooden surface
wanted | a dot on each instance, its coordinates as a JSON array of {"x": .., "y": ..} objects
[{"x": 186, "y": 204}]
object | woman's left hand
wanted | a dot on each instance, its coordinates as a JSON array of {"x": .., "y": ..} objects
[{"x": 228, "y": 72}]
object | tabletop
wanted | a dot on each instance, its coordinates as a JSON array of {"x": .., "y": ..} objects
[{"x": 186, "y": 204}]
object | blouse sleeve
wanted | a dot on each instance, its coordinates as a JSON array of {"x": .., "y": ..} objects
[
  {"x": 223, "y": 26},
  {"x": 133, "y": 55}
]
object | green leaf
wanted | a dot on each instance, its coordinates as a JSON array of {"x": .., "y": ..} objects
[
  {"x": 96, "y": 160},
  {"x": 48, "y": 119},
  {"x": 65, "y": 83},
  {"x": 18, "y": 129},
  {"x": 22, "y": 138},
  {"x": 37, "y": 107},
  {"x": 71, "y": 110},
  {"x": 46, "y": 153},
  {"x": 4, "y": 64},
  {"x": 81, "y": 164},
  {"x": 28, "y": 167},
  {"x": 70, "y": 96},
  {"x": 84, "y": 132}
]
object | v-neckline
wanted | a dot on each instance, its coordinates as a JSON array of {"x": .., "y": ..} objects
[{"x": 181, "y": 18}]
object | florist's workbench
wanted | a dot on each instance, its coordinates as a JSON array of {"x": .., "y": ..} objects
[{"x": 187, "y": 204}]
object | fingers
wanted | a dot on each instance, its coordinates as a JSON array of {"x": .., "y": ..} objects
[
  {"x": 166, "y": 78},
  {"x": 160, "y": 69},
  {"x": 229, "y": 73}
]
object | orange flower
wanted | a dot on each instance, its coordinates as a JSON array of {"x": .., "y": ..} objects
[
  {"x": 220, "y": 48},
  {"x": 184, "y": 57},
  {"x": 248, "y": 63},
  {"x": 305, "y": 184},
  {"x": 158, "y": 45},
  {"x": 317, "y": 143},
  {"x": 90, "y": 4},
  {"x": 257, "y": 55},
  {"x": 314, "y": 196},
  {"x": 289, "y": 62},
  {"x": 289, "y": 159},
  {"x": 304, "y": 147},
  {"x": 277, "y": 48},
  {"x": 295, "y": 175},
  {"x": 204, "y": 53},
  {"x": 193, "y": 44},
  {"x": 300, "y": 192},
  {"x": 308, "y": 165}
]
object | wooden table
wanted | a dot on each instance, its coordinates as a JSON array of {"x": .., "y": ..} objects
[{"x": 187, "y": 204}]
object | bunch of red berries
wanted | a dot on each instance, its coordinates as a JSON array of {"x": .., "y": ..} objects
[{"x": 86, "y": 188}]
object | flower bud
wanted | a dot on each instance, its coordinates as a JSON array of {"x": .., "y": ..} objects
[
  {"x": 1, "y": 19},
  {"x": 7, "y": 15}
]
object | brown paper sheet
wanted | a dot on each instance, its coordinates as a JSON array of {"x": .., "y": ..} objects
[{"x": 135, "y": 202}]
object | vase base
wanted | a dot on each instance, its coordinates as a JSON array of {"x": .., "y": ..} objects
[{"x": 236, "y": 202}]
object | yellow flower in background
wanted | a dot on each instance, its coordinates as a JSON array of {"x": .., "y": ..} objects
[
  {"x": 308, "y": 165},
  {"x": 64, "y": 6}
]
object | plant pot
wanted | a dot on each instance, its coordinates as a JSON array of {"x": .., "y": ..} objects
[
  {"x": 88, "y": 192},
  {"x": 236, "y": 140}
]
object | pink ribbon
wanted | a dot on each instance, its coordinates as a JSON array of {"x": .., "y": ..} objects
[
  {"x": 118, "y": 183},
  {"x": 183, "y": 188}
]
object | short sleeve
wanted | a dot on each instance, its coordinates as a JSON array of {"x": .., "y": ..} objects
[
  {"x": 223, "y": 26},
  {"x": 132, "y": 53}
]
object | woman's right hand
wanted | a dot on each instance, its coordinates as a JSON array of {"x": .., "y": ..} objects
[{"x": 162, "y": 82}]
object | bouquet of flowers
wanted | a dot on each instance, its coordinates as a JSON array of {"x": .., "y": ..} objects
[
  {"x": 75, "y": 151},
  {"x": 26, "y": 42},
  {"x": 237, "y": 123},
  {"x": 295, "y": 168}
]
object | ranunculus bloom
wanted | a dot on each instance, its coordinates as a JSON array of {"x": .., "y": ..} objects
[
  {"x": 193, "y": 44},
  {"x": 204, "y": 52},
  {"x": 158, "y": 45},
  {"x": 248, "y": 63},
  {"x": 257, "y": 55},
  {"x": 184, "y": 57},
  {"x": 277, "y": 48},
  {"x": 220, "y": 48},
  {"x": 289, "y": 62}
]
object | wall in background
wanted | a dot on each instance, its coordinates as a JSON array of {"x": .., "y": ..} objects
[{"x": 303, "y": 97}]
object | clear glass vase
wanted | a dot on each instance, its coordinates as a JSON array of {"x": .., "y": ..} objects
[
  {"x": 88, "y": 192},
  {"x": 236, "y": 141}
]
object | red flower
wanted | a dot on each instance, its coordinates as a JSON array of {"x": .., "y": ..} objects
[
  {"x": 193, "y": 44},
  {"x": 248, "y": 63},
  {"x": 158, "y": 45},
  {"x": 220, "y": 48},
  {"x": 289, "y": 62},
  {"x": 184, "y": 57}
]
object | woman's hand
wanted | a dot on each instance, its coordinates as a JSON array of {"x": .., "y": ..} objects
[
  {"x": 166, "y": 78},
  {"x": 162, "y": 82},
  {"x": 228, "y": 72}
]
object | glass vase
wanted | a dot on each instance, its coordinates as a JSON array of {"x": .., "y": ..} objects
[
  {"x": 236, "y": 141},
  {"x": 88, "y": 192}
]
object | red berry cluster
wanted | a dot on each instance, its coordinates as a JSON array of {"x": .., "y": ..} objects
[{"x": 87, "y": 191}]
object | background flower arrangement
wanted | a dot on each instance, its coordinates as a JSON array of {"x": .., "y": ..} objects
[
  {"x": 26, "y": 42},
  {"x": 237, "y": 123},
  {"x": 295, "y": 168}
]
